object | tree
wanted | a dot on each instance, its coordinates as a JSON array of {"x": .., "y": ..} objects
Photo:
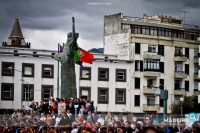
[{"x": 190, "y": 104}]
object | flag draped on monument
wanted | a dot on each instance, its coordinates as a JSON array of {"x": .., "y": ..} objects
[{"x": 81, "y": 55}]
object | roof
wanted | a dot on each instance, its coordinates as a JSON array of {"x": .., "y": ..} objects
[{"x": 16, "y": 30}]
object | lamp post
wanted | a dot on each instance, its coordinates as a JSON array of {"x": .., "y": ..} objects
[
  {"x": 181, "y": 99},
  {"x": 75, "y": 106},
  {"x": 21, "y": 80}
]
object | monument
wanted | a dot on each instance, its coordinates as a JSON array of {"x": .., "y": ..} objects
[{"x": 68, "y": 76}]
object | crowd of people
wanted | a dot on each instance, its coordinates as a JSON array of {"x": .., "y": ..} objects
[{"x": 60, "y": 116}]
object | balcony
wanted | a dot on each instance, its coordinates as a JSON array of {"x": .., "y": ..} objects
[
  {"x": 196, "y": 92},
  {"x": 180, "y": 91},
  {"x": 151, "y": 73},
  {"x": 150, "y": 90},
  {"x": 196, "y": 59},
  {"x": 151, "y": 55},
  {"x": 180, "y": 75},
  {"x": 180, "y": 57},
  {"x": 196, "y": 76},
  {"x": 154, "y": 107}
]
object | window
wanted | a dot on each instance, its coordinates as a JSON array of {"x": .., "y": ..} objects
[
  {"x": 28, "y": 92},
  {"x": 137, "y": 65},
  {"x": 178, "y": 67},
  {"x": 125, "y": 26},
  {"x": 187, "y": 87},
  {"x": 162, "y": 84},
  {"x": 196, "y": 52},
  {"x": 7, "y": 91},
  {"x": 136, "y": 29},
  {"x": 196, "y": 86},
  {"x": 162, "y": 67},
  {"x": 187, "y": 52},
  {"x": 47, "y": 71},
  {"x": 151, "y": 65},
  {"x": 103, "y": 74},
  {"x": 85, "y": 92},
  {"x": 161, "y": 50},
  {"x": 137, "y": 48},
  {"x": 103, "y": 95},
  {"x": 28, "y": 70},
  {"x": 121, "y": 75},
  {"x": 47, "y": 91},
  {"x": 161, "y": 102},
  {"x": 120, "y": 96},
  {"x": 145, "y": 30},
  {"x": 151, "y": 100},
  {"x": 137, "y": 100},
  {"x": 178, "y": 51},
  {"x": 7, "y": 69},
  {"x": 153, "y": 31},
  {"x": 151, "y": 48},
  {"x": 187, "y": 70},
  {"x": 85, "y": 73},
  {"x": 196, "y": 69},
  {"x": 151, "y": 83},
  {"x": 177, "y": 85},
  {"x": 137, "y": 83}
]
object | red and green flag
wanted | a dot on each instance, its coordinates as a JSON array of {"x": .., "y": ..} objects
[{"x": 81, "y": 55}]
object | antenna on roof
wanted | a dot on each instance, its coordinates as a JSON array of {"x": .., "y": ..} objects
[{"x": 184, "y": 16}]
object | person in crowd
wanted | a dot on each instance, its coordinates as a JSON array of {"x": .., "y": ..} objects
[
  {"x": 90, "y": 118},
  {"x": 148, "y": 122},
  {"x": 195, "y": 128},
  {"x": 75, "y": 129},
  {"x": 95, "y": 116},
  {"x": 57, "y": 121},
  {"x": 109, "y": 120},
  {"x": 128, "y": 128},
  {"x": 97, "y": 127},
  {"x": 42, "y": 118},
  {"x": 149, "y": 129},
  {"x": 101, "y": 120},
  {"x": 91, "y": 106},
  {"x": 82, "y": 109}
]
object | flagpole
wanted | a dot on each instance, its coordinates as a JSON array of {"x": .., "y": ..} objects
[{"x": 58, "y": 72}]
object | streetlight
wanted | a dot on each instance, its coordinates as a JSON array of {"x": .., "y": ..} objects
[
  {"x": 21, "y": 80},
  {"x": 75, "y": 106},
  {"x": 181, "y": 99}
]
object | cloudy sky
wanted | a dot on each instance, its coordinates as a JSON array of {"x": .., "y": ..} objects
[{"x": 45, "y": 23}]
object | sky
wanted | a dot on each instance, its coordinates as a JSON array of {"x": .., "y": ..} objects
[{"x": 45, "y": 23}]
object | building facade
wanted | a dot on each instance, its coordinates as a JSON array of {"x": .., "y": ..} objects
[{"x": 141, "y": 56}]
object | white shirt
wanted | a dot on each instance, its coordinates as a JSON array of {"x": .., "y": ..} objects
[
  {"x": 57, "y": 121},
  {"x": 101, "y": 121}
]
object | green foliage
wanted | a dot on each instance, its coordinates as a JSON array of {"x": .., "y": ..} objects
[{"x": 190, "y": 104}]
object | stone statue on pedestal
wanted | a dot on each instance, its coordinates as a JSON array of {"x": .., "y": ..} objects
[{"x": 68, "y": 76}]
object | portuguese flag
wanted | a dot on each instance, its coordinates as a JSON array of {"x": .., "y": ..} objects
[{"x": 81, "y": 55}]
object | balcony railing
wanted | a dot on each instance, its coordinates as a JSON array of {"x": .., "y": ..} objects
[
  {"x": 180, "y": 57},
  {"x": 180, "y": 74},
  {"x": 151, "y": 107},
  {"x": 179, "y": 91},
  {"x": 150, "y": 90},
  {"x": 151, "y": 55},
  {"x": 196, "y": 92},
  {"x": 151, "y": 72}
]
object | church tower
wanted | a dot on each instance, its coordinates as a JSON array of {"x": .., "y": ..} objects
[{"x": 16, "y": 38}]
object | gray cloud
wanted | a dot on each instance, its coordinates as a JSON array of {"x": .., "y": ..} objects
[{"x": 56, "y": 15}]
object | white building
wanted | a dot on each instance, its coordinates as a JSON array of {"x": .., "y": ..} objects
[{"x": 141, "y": 56}]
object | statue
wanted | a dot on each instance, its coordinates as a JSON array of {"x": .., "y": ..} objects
[{"x": 68, "y": 76}]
